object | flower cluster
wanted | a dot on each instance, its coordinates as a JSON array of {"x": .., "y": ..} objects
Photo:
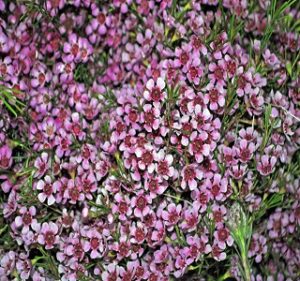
[{"x": 129, "y": 128}]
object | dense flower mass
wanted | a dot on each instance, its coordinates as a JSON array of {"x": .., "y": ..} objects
[{"x": 149, "y": 140}]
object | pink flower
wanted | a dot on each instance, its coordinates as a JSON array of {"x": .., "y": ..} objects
[
  {"x": 201, "y": 198},
  {"x": 76, "y": 126},
  {"x": 198, "y": 146},
  {"x": 172, "y": 215},
  {"x": 190, "y": 219},
  {"x": 48, "y": 235},
  {"x": 245, "y": 151},
  {"x": 222, "y": 237},
  {"x": 217, "y": 253},
  {"x": 139, "y": 233},
  {"x": 5, "y": 157},
  {"x": 217, "y": 187},
  {"x": 95, "y": 244},
  {"x": 197, "y": 246},
  {"x": 155, "y": 185},
  {"x": 266, "y": 165},
  {"x": 48, "y": 190},
  {"x": 140, "y": 203},
  {"x": 189, "y": 175},
  {"x": 150, "y": 117},
  {"x": 40, "y": 76},
  {"x": 163, "y": 166},
  {"x": 26, "y": 218},
  {"x": 215, "y": 98},
  {"x": 122, "y": 206},
  {"x": 42, "y": 164},
  {"x": 112, "y": 272},
  {"x": 195, "y": 71},
  {"x": 74, "y": 192},
  {"x": 154, "y": 91},
  {"x": 258, "y": 247}
]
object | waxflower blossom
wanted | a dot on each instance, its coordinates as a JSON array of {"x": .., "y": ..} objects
[
  {"x": 189, "y": 175},
  {"x": 154, "y": 91},
  {"x": 5, "y": 157},
  {"x": 48, "y": 190},
  {"x": 140, "y": 139},
  {"x": 26, "y": 219},
  {"x": 48, "y": 235},
  {"x": 266, "y": 165}
]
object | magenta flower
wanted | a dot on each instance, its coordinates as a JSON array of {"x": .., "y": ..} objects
[
  {"x": 7, "y": 262},
  {"x": 183, "y": 56},
  {"x": 197, "y": 246},
  {"x": 195, "y": 71},
  {"x": 140, "y": 203},
  {"x": 122, "y": 206},
  {"x": 40, "y": 76},
  {"x": 266, "y": 165},
  {"x": 122, "y": 4},
  {"x": 76, "y": 126},
  {"x": 201, "y": 199},
  {"x": 163, "y": 166},
  {"x": 222, "y": 237},
  {"x": 217, "y": 187},
  {"x": 189, "y": 175},
  {"x": 139, "y": 233},
  {"x": 215, "y": 98},
  {"x": 54, "y": 5},
  {"x": 24, "y": 266},
  {"x": 74, "y": 192},
  {"x": 95, "y": 244},
  {"x": 48, "y": 190},
  {"x": 229, "y": 156},
  {"x": 26, "y": 218},
  {"x": 48, "y": 235},
  {"x": 5, "y": 157},
  {"x": 258, "y": 247},
  {"x": 172, "y": 215},
  {"x": 112, "y": 272},
  {"x": 6, "y": 69},
  {"x": 42, "y": 165},
  {"x": 154, "y": 91},
  {"x": 190, "y": 220},
  {"x": 150, "y": 117},
  {"x": 145, "y": 159},
  {"x": 217, "y": 253},
  {"x": 245, "y": 151},
  {"x": 155, "y": 185},
  {"x": 198, "y": 146}
]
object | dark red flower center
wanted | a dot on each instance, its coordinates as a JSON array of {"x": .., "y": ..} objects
[
  {"x": 163, "y": 168},
  {"x": 101, "y": 18},
  {"x": 123, "y": 208},
  {"x": 141, "y": 202},
  {"x": 184, "y": 58},
  {"x": 75, "y": 49},
  {"x": 223, "y": 234},
  {"x": 48, "y": 189},
  {"x": 123, "y": 249},
  {"x": 27, "y": 218},
  {"x": 95, "y": 243},
  {"x": 49, "y": 238},
  {"x": 147, "y": 158},
  {"x": 189, "y": 173},
  {"x": 156, "y": 94},
  {"x": 215, "y": 190},
  {"x": 213, "y": 95}
]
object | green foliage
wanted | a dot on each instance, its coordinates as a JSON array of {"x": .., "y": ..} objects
[
  {"x": 241, "y": 231},
  {"x": 275, "y": 15},
  {"x": 10, "y": 101}
]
